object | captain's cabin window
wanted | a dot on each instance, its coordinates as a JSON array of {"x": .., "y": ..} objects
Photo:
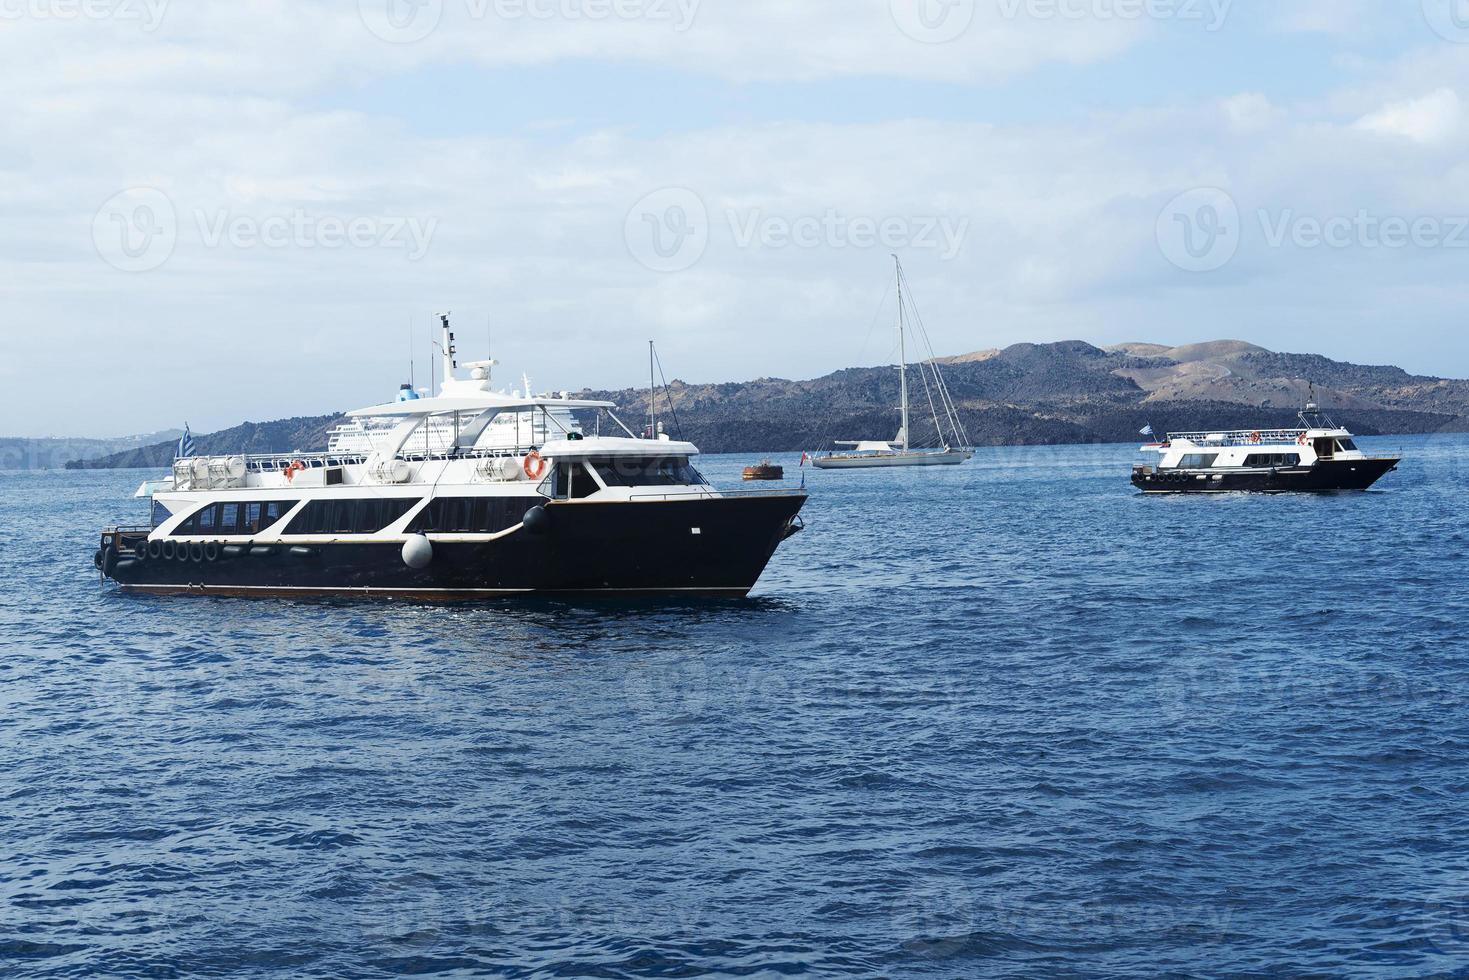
[
  {"x": 1346, "y": 446},
  {"x": 673, "y": 471},
  {"x": 573, "y": 482},
  {"x": 1197, "y": 461}
]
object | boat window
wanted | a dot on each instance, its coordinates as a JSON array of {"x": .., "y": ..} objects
[
  {"x": 1346, "y": 446},
  {"x": 1273, "y": 459},
  {"x": 235, "y": 518},
  {"x": 571, "y": 481},
  {"x": 582, "y": 483},
  {"x": 1197, "y": 461},
  {"x": 258, "y": 517},
  {"x": 471, "y": 515},
  {"x": 361, "y": 516},
  {"x": 672, "y": 471}
]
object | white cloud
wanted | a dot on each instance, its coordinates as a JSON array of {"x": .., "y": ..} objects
[
  {"x": 218, "y": 109},
  {"x": 1431, "y": 119}
]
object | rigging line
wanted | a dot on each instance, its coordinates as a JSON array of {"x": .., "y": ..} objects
[
  {"x": 949, "y": 406},
  {"x": 951, "y": 410},
  {"x": 927, "y": 391},
  {"x": 667, "y": 394}
]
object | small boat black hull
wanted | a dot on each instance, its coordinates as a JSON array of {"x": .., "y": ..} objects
[
  {"x": 1326, "y": 476},
  {"x": 700, "y": 547}
]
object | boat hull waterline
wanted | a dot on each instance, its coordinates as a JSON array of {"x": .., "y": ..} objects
[
  {"x": 698, "y": 547},
  {"x": 951, "y": 457},
  {"x": 1323, "y": 477}
]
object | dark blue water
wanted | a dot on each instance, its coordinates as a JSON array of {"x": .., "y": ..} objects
[{"x": 1006, "y": 719}]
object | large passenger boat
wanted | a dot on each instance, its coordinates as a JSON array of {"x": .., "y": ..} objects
[
  {"x": 469, "y": 494},
  {"x": 1319, "y": 456}
]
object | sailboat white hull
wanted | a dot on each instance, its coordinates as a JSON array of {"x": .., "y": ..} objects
[{"x": 946, "y": 457}]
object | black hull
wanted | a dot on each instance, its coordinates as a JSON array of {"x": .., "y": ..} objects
[
  {"x": 1327, "y": 476},
  {"x": 634, "y": 549}
]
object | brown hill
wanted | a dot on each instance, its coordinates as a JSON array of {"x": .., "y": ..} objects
[{"x": 1066, "y": 392}]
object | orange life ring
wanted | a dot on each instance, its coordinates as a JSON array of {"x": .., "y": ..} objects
[
  {"x": 1255, "y": 438},
  {"x": 534, "y": 465},
  {"x": 1302, "y": 439},
  {"x": 293, "y": 469}
]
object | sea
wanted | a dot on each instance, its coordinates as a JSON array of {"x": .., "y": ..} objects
[{"x": 1009, "y": 719}]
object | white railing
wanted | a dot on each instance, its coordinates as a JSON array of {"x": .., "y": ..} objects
[
  {"x": 1239, "y": 437},
  {"x": 274, "y": 462}
]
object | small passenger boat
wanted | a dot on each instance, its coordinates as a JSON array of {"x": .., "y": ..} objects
[{"x": 1318, "y": 457}]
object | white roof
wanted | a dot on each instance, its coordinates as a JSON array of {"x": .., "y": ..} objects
[
  {"x": 617, "y": 446},
  {"x": 870, "y": 447},
  {"x": 478, "y": 403}
]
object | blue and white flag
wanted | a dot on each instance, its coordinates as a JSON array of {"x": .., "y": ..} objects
[
  {"x": 186, "y": 445},
  {"x": 1147, "y": 430}
]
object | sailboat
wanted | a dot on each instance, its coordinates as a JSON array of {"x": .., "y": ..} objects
[{"x": 901, "y": 452}]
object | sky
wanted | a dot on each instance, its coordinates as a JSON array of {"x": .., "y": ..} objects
[{"x": 223, "y": 210}]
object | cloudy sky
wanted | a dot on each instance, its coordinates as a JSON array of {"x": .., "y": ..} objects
[{"x": 219, "y": 210}]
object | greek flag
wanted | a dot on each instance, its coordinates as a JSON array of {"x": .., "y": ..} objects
[
  {"x": 186, "y": 444},
  {"x": 1147, "y": 430}
]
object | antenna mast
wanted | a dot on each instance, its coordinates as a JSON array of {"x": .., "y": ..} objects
[
  {"x": 652, "y": 396},
  {"x": 902, "y": 354},
  {"x": 450, "y": 363}
]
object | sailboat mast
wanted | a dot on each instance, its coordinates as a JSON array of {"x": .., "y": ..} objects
[
  {"x": 902, "y": 354},
  {"x": 652, "y": 397}
]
